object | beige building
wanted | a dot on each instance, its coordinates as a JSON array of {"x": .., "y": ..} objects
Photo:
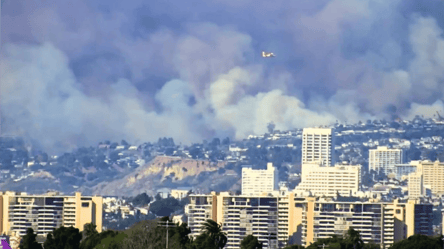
[
  {"x": 318, "y": 146},
  {"x": 329, "y": 181},
  {"x": 267, "y": 217},
  {"x": 432, "y": 176},
  {"x": 415, "y": 185},
  {"x": 384, "y": 159},
  {"x": 258, "y": 181},
  {"x": 276, "y": 217},
  {"x": 44, "y": 213},
  {"x": 180, "y": 193},
  {"x": 378, "y": 222}
]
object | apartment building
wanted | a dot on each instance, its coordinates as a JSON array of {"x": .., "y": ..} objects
[
  {"x": 403, "y": 170},
  {"x": 258, "y": 181},
  {"x": 415, "y": 185},
  {"x": 382, "y": 223},
  {"x": 318, "y": 146},
  {"x": 276, "y": 217},
  {"x": 384, "y": 159},
  {"x": 329, "y": 181},
  {"x": 267, "y": 216},
  {"x": 432, "y": 176},
  {"x": 44, "y": 213}
]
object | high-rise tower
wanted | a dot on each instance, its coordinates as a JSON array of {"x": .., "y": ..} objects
[{"x": 318, "y": 146}]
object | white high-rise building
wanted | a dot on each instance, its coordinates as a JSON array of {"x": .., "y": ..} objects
[
  {"x": 384, "y": 159},
  {"x": 258, "y": 181},
  {"x": 328, "y": 181},
  {"x": 318, "y": 146}
]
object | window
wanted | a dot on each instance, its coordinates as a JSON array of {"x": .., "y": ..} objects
[{"x": 85, "y": 204}]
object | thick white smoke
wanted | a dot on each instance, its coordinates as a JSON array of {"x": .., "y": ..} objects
[{"x": 192, "y": 74}]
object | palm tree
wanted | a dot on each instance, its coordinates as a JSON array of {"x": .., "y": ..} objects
[{"x": 214, "y": 232}]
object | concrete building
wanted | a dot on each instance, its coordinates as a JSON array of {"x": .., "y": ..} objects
[
  {"x": 258, "y": 181},
  {"x": 329, "y": 181},
  {"x": 432, "y": 176},
  {"x": 279, "y": 216},
  {"x": 268, "y": 217},
  {"x": 44, "y": 213},
  {"x": 403, "y": 170},
  {"x": 415, "y": 185},
  {"x": 318, "y": 146},
  {"x": 384, "y": 159},
  {"x": 180, "y": 193},
  {"x": 378, "y": 222}
]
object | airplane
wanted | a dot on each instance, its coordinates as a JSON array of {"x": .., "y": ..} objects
[{"x": 264, "y": 54}]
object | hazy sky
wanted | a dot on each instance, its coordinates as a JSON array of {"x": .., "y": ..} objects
[{"x": 80, "y": 72}]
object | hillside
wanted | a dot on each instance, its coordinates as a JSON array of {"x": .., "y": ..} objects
[{"x": 162, "y": 171}]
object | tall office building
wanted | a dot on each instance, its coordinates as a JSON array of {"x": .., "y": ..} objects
[
  {"x": 275, "y": 217},
  {"x": 44, "y": 213},
  {"x": 318, "y": 146},
  {"x": 258, "y": 181},
  {"x": 384, "y": 159},
  {"x": 329, "y": 181}
]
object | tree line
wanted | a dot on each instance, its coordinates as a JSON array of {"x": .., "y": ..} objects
[{"x": 150, "y": 235}]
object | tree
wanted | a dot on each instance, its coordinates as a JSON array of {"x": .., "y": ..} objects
[
  {"x": 29, "y": 240},
  {"x": 112, "y": 241},
  {"x": 353, "y": 240},
  {"x": 215, "y": 142},
  {"x": 212, "y": 236},
  {"x": 294, "y": 247},
  {"x": 93, "y": 238},
  {"x": 250, "y": 242},
  {"x": 271, "y": 127},
  {"x": 226, "y": 141},
  {"x": 419, "y": 241},
  {"x": 64, "y": 238},
  {"x": 89, "y": 230},
  {"x": 141, "y": 200},
  {"x": 49, "y": 242}
]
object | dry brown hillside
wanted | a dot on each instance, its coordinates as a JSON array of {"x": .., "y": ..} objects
[{"x": 146, "y": 178}]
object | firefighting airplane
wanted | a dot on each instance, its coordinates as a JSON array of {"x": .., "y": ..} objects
[{"x": 265, "y": 54}]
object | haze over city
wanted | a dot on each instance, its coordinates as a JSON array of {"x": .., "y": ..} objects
[{"x": 79, "y": 73}]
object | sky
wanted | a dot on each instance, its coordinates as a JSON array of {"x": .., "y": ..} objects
[{"x": 74, "y": 73}]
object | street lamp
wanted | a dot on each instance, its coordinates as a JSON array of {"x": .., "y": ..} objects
[{"x": 168, "y": 225}]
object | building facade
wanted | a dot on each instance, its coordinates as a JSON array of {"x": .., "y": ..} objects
[
  {"x": 383, "y": 223},
  {"x": 384, "y": 159},
  {"x": 44, "y": 213},
  {"x": 267, "y": 217},
  {"x": 281, "y": 216},
  {"x": 258, "y": 181},
  {"x": 330, "y": 181},
  {"x": 403, "y": 170},
  {"x": 318, "y": 146},
  {"x": 415, "y": 185},
  {"x": 432, "y": 176}
]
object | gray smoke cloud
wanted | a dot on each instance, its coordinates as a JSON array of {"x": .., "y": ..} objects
[{"x": 79, "y": 73}]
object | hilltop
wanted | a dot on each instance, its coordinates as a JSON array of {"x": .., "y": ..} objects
[{"x": 162, "y": 171}]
